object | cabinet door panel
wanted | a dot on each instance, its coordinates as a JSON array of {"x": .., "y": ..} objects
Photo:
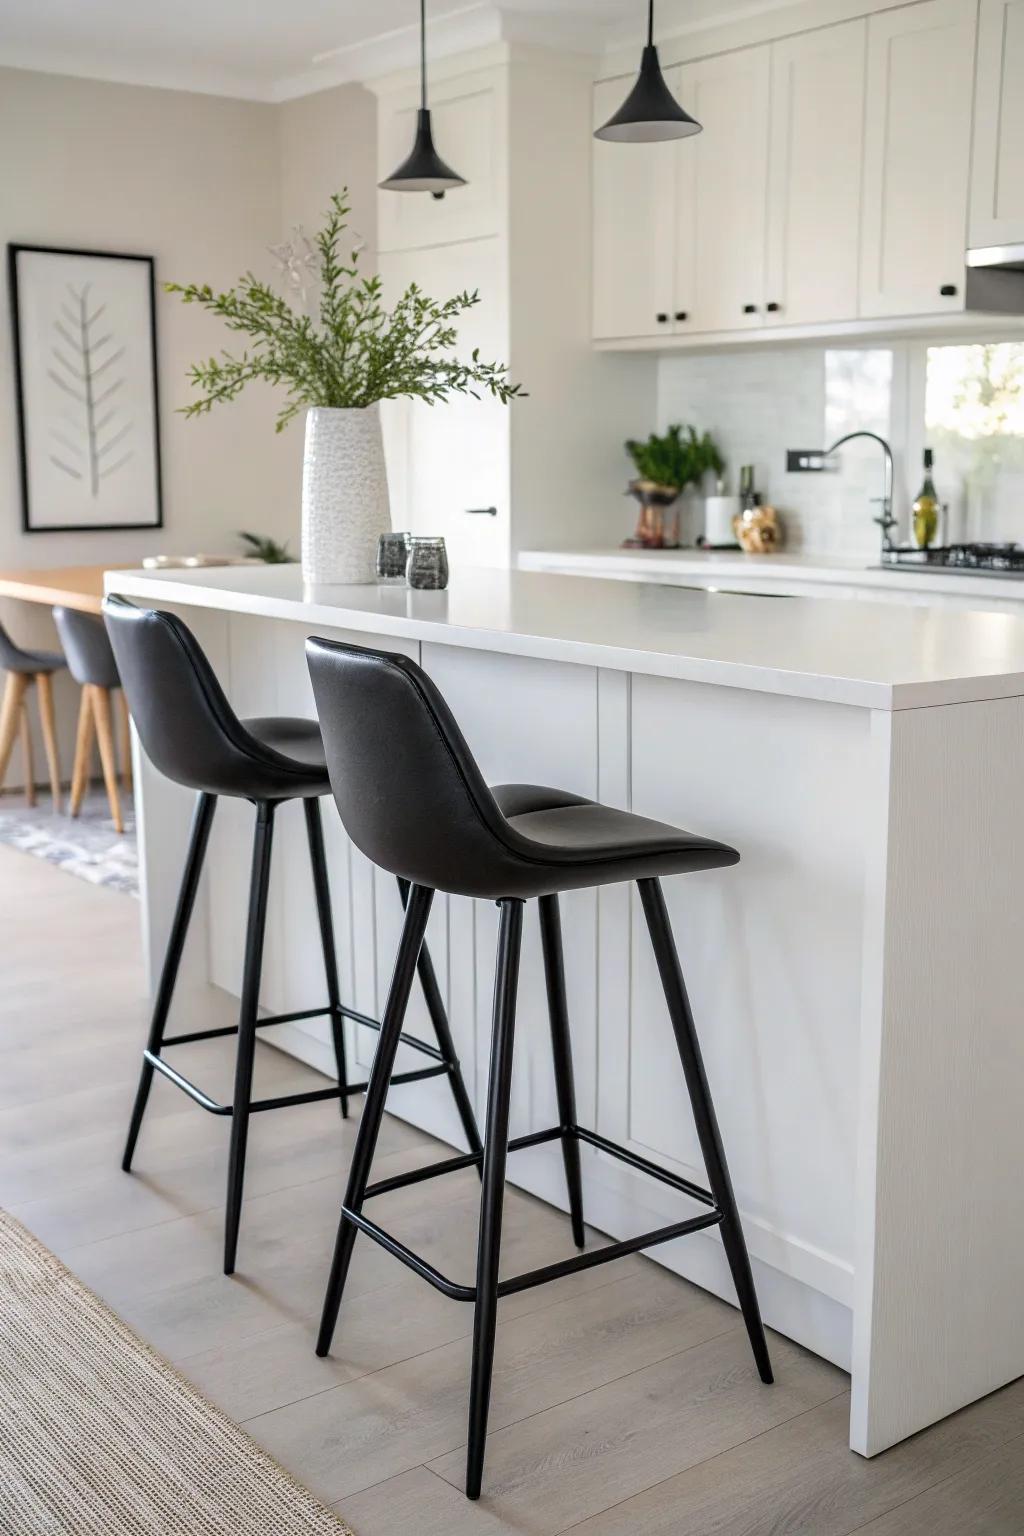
[
  {"x": 817, "y": 125},
  {"x": 467, "y": 115},
  {"x": 916, "y": 155},
  {"x": 997, "y": 177},
  {"x": 632, "y": 228},
  {"x": 721, "y": 192}
]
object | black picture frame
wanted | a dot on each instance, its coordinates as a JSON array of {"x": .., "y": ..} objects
[{"x": 14, "y": 250}]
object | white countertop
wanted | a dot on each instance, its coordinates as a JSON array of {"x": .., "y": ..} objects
[
  {"x": 792, "y": 570},
  {"x": 868, "y": 654}
]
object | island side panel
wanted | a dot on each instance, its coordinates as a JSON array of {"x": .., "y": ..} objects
[
  {"x": 771, "y": 950},
  {"x": 939, "y": 1319}
]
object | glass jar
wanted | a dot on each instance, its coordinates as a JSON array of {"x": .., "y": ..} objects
[
  {"x": 392, "y": 557},
  {"x": 427, "y": 566}
]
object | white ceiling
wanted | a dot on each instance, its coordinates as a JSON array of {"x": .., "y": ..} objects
[{"x": 270, "y": 50}]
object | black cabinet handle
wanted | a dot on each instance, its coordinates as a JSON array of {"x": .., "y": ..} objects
[
  {"x": 681, "y": 314},
  {"x": 948, "y": 291},
  {"x": 750, "y": 309},
  {"x": 661, "y": 318},
  {"x": 482, "y": 511},
  {"x": 773, "y": 308}
]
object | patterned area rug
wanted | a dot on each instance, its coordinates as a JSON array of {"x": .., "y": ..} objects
[
  {"x": 87, "y": 846},
  {"x": 100, "y": 1437}
]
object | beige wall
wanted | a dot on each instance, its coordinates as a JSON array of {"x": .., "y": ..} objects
[{"x": 205, "y": 185}]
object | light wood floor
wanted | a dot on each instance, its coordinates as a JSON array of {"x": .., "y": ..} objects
[{"x": 625, "y": 1402}]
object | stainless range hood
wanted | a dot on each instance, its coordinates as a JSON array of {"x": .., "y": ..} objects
[{"x": 995, "y": 279}]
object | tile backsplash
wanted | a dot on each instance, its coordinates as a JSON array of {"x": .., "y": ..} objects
[{"x": 758, "y": 403}]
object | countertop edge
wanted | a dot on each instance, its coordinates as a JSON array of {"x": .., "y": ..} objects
[{"x": 832, "y": 689}]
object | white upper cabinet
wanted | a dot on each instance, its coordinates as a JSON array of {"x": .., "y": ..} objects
[
  {"x": 814, "y": 175},
  {"x": 633, "y": 232},
  {"x": 721, "y": 193},
  {"x": 916, "y": 158},
  {"x": 997, "y": 176},
  {"x": 467, "y": 116}
]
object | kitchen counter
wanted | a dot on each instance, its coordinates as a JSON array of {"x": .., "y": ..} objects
[
  {"x": 870, "y": 655},
  {"x": 794, "y": 573},
  {"x": 854, "y": 977}
]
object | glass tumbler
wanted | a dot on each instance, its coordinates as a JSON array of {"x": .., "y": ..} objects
[
  {"x": 427, "y": 567},
  {"x": 392, "y": 556}
]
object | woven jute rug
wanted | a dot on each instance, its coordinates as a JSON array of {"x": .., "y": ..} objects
[{"x": 100, "y": 1437}]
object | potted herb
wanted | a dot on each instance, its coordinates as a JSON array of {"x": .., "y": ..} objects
[
  {"x": 337, "y": 366},
  {"x": 665, "y": 466}
]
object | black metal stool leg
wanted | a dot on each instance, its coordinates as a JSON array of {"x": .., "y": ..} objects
[
  {"x": 442, "y": 1029},
  {"x": 416, "y": 914},
  {"x": 315, "y": 834},
  {"x": 202, "y": 820},
  {"x": 248, "y": 1014},
  {"x": 561, "y": 1050},
  {"x": 708, "y": 1133},
  {"x": 499, "y": 1089}
]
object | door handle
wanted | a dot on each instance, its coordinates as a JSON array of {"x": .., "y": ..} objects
[{"x": 482, "y": 511}]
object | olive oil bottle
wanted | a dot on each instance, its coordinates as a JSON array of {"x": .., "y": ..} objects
[{"x": 926, "y": 507}]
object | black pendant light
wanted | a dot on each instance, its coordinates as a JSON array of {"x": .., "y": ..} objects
[
  {"x": 424, "y": 171},
  {"x": 650, "y": 112}
]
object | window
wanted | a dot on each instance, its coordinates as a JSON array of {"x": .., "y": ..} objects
[{"x": 974, "y": 422}]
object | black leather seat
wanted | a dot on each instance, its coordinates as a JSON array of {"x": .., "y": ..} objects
[
  {"x": 14, "y": 658},
  {"x": 188, "y": 728},
  {"x": 92, "y": 665},
  {"x": 414, "y": 801},
  {"x": 192, "y": 735}
]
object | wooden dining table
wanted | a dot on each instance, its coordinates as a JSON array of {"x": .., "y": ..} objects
[{"x": 68, "y": 586}]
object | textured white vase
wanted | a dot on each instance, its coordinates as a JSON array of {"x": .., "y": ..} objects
[{"x": 344, "y": 495}]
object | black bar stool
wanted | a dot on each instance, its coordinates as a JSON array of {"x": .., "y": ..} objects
[
  {"x": 92, "y": 665},
  {"x": 412, "y": 798},
  {"x": 191, "y": 734}
]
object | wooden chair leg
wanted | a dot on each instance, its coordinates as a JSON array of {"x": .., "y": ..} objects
[
  {"x": 27, "y": 755},
  {"x": 44, "y": 689},
  {"x": 108, "y": 752},
  {"x": 126, "y": 742},
  {"x": 10, "y": 718},
  {"x": 83, "y": 752}
]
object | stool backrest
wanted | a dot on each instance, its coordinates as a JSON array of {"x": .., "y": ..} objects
[
  {"x": 86, "y": 647},
  {"x": 408, "y": 789},
  {"x": 186, "y": 725}
]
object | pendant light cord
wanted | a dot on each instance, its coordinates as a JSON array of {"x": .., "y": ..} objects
[
  {"x": 423, "y": 53},
  {"x": 650, "y": 23}
]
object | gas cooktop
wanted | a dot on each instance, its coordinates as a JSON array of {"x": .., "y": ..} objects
[{"x": 963, "y": 559}]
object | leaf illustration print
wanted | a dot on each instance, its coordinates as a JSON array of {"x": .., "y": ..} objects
[{"x": 92, "y": 441}]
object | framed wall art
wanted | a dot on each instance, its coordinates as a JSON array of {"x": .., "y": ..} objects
[{"x": 84, "y": 328}]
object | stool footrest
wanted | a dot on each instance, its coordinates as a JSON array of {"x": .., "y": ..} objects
[
  {"x": 533, "y": 1277},
  {"x": 454, "y": 1164},
  {"x": 295, "y": 1018},
  {"x": 315, "y": 1096}
]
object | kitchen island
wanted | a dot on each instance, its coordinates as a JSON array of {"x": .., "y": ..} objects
[{"x": 853, "y": 978}]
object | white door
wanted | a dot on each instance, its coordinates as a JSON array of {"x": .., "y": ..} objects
[
  {"x": 721, "y": 193},
  {"x": 448, "y": 465},
  {"x": 815, "y": 150},
  {"x": 916, "y": 158},
  {"x": 632, "y": 227},
  {"x": 997, "y": 174}
]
